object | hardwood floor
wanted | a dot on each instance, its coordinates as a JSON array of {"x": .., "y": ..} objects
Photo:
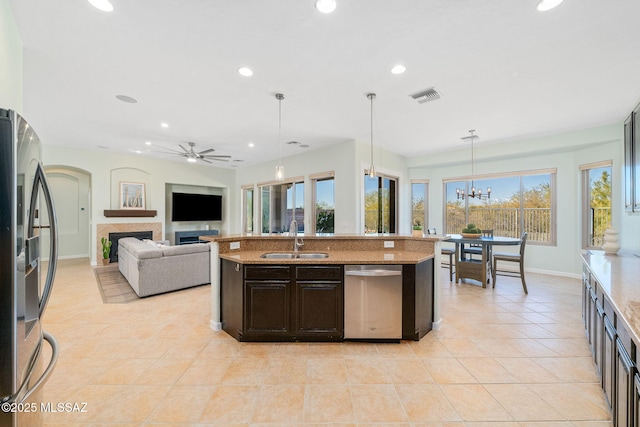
[{"x": 501, "y": 358}]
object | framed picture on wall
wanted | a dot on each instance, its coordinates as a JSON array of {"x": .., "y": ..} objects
[{"x": 132, "y": 195}]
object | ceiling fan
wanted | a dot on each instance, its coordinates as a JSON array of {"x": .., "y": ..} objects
[{"x": 192, "y": 156}]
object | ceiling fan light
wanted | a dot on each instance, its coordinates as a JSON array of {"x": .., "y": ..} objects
[
  {"x": 325, "y": 6},
  {"x": 191, "y": 159},
  {"x": 545, "y": 5}
]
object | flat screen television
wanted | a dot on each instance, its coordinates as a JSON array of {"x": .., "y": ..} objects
[{"x": 196, "y": 207}]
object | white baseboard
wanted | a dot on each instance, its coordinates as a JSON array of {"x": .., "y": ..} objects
[{"x": 216, "y": 326}]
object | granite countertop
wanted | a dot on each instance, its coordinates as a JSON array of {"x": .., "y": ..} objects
[
  {"x": 619, "y": 276},
  {"x": 335, "y": 257},
  {"x": 286, "y": 236}
]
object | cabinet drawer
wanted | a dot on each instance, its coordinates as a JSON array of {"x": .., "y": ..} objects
[
  {"x": 267, "y": 272},
  {"x": 317, "y": 272}
]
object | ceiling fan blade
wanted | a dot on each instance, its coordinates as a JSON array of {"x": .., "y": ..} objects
[
  {"x": 212, "y": 156},
  {"x": 204, "y": 160},
  {"x": 206, "y": 151},
  {"x": 220, "y": 160},
  {"x": 185, "y": 150}
]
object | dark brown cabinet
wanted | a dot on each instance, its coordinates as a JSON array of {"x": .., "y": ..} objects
[
  {"x": 623, "y": 413},
  {"x": 281, "y": 302},
  {"x": 614, "y": 352},
  {"x": 319, "y": 302},
  {"x": 267, "y": 298},
  {"x": 295, "y": 302}
]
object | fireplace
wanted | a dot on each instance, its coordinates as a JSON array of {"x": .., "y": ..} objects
[
  {"x": 114, "y": 237},
  {"x": 129, "y": 228}
]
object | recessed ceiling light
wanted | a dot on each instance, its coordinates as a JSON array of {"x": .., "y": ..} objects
[
  {"x": 103, "y": 5},
  {"x": 251, "y": 144},
  {"x": 164, "y": 125},
  {"x": 127, "y": 99},
  {"x": 398, "y": 69},
  {"x": 138, "y": 152},
  {"x": 147, "y": 143},
  {"x": 545, "y": 5},
  {"x": 326, "y": 6},
  {"x": 245, "y": 71}
]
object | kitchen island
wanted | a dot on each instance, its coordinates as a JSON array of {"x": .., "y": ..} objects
[{"x": 290, "y": 298}]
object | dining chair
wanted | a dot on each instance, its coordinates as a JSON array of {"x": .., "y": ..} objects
[
  {"x": 445, "y": 252},
  {"x": 511, "y": 257}
]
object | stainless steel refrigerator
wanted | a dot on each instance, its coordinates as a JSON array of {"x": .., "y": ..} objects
[{"x": 28, "y": 243}]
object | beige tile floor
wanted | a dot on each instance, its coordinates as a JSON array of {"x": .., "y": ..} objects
[{"x": 500, "y": 359}]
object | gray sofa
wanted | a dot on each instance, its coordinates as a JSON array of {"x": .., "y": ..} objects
[{"x": 152, "y": 268}]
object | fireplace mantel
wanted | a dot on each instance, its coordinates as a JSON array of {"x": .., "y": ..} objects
[{"x": 129, "y": 213}]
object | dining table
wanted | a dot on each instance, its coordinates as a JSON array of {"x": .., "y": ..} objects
[{"x": 477, "y": 269}]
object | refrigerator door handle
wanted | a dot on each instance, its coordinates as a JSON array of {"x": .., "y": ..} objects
[
  {"x": 40, "y": 179},
  {"x": 55, "y": 349}
]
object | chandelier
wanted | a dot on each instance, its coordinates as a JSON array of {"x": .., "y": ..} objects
[{"x": 474, "y": 193}]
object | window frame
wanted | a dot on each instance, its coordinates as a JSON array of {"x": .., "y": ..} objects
[
  {"x": 393, "y": 210},
  {"x": 270, "y": 184},
  {"x": 245, "y": 189},
  {"x": 552, "y": 172},
  {"x": 425, "y": 203},
  {"x": 315, "y": 178},
  {"x": 585, "y": 186}
]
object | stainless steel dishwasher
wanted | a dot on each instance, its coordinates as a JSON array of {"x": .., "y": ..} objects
[{"x": 373, "y": 302}]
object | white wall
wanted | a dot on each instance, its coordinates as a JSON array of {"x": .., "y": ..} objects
[
  {"x": 10, "y": 60},
  {"x": 564, "y": 152},
  {"x": 100, "y": 164}
]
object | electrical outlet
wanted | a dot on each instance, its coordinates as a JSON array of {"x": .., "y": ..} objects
[
  {"x": 234, "y": 245},
  {"x": 389, "y": 243}
]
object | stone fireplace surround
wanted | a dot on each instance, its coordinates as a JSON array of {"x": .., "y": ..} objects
[{"x": 103, "y": 230}]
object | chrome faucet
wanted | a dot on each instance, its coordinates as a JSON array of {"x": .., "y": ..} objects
[{"x": 293, "y": 231}]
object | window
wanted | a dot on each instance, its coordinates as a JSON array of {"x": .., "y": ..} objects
[
  {"x": 380, "y": 201},
  {"x": 280, "y": 204},
  {"x": 247, "y": 204},
  {"x": 323, "y": 202},
  {"x": 596, "y": 202},
  {"x": 518, "y": 202},
  {"x": 419, "y": 199}
]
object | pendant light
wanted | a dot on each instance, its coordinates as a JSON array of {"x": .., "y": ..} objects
[
  {"x": 280, "y": 168},
  {"x": 460, "y": 192},
  {"x": 372, "y": 169}
]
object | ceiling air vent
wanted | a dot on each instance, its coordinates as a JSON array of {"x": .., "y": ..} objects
[{"x": 426, "y": 95}]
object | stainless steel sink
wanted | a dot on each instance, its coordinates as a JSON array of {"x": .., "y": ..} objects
[
  {"x": 278, "y": 255},
  {"x": 293, "y": 255},
  {"x": 312, "y": 255}
]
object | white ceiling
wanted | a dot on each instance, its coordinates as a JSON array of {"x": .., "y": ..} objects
[{"x": 502, "y": 68}]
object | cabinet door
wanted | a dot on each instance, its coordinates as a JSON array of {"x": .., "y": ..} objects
[
  {"x": 636, "y": 400},
  {"x": 593, "y": 321},
  {"x": 267, "y": 302},
  {"x": 624, "y": 382},
  {"x": 629, "y": 163},
  {"x": 585, "y": 300},
  {"x": 319, "y": 303},
  {"x": 608, "y": 364},
  {"x": 598, "y": 351},
  {"x": 267, "y": 309}
]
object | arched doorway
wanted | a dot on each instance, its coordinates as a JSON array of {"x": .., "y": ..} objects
[{"x": 71, "y": 191}]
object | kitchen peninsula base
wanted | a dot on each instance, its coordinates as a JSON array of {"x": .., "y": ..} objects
[{"x": 302, "y": 299}]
